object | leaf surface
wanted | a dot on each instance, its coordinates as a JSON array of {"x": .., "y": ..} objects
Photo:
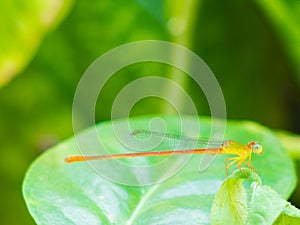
[{"x": 77, "y": 194}]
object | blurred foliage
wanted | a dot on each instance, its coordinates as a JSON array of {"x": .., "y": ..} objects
[
  {"x": 285, "y": 18},
  {"x": 23, "y": 26},
  {"x": 251, "y": 46}
]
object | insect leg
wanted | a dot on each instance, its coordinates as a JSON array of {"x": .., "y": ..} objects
[
  {"x": 242, "y": 160},
  {"x": 234, "y": 160}
]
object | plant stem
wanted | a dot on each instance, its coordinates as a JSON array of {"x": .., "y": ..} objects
[{"x": 181, "y": 25}]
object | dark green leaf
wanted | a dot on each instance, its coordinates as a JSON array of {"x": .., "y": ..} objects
[
  {"x": 284, "y": 15},
  {"x": 289, "y": 216}
]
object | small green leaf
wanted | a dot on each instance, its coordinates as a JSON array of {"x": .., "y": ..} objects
[
  {"x": 230, "y": 203},
  {"x": 230, "y": 206},
  {"x": 265, "y": 206},
  {"x": 289, "y": 216}
]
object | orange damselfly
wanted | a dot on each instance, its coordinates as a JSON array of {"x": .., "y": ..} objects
[{"x": 241, "y": 153}]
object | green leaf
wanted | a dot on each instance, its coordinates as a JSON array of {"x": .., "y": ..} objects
[
  {"x": 291, "y": 142},
  {"x": 56, "y": 192},
  {"x": 289, "y": 216},
  {"x": 23, "y": 26},
  {"x": 230, "y": 203},
  {"x": 265, "y": 206}
]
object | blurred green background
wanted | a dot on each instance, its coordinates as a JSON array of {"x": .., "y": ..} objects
[{"x": 253, "y": 48}]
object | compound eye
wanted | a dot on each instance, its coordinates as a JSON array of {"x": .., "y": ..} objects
[{"x": 256, "y": 146}]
